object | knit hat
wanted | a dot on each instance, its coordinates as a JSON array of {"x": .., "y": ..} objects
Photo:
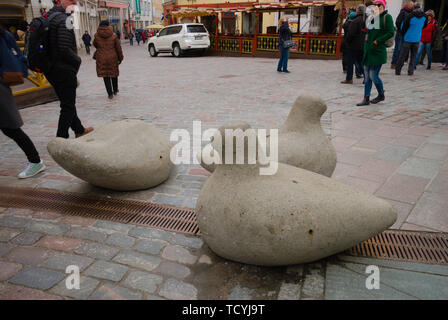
[
  {"x": 430, "y": 13},
  {"x": 383, "y": 2},
  {"x": 352, "y": 15}
]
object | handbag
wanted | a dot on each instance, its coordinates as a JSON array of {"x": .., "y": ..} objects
[
  {"x": 13, "y": 66},
  {"x": 288, "y": 44}
]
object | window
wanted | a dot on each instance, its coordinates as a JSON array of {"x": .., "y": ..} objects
[
  {"x": 163, "y": 32},
  {"x": 196, "y": 28},
  {"x": 174, "y": 30}
]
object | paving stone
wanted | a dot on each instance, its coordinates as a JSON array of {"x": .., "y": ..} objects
[
  {"x": 106, "y": 270},
  {"x": 77, "y": 221},
  {"x": 440, "y": 183},
  {"x": 313, "y": 286},
  {"x": 42, "y": 215},
  {"x": 394, "y": 153},
  {"x": 177, "y": 290},
  {"x": 438, "y": 138},
  {"x": 37, "y": 278},
  {"x": 191, "y": 242},
  {"x": 403, "y": 188},
  {"x": 137, "y": 260},
  {"x": 173, "y": 270},
  {"x": 143, "y": 281},
  {"x": 433, "y": 151},
  {"x": 8, "y": 269},
  {"x": 178, "y": 254},
  {"x": 431, "y": 211},
  {"x": 113, "y": 226},
  {"x": 120, "y": 240},
  {"x": 289, "y": 291},
  {"x": 59, "y": 243},
  {"x": 420, "y": 167},
  {"x": 5, "y": 248},
  {"x": 170, "y": 200},
  {"x": 414, "y": 227},
  {"x": 86, "y": 234},
  {"x": 240, "y": 293},
  {"x": 14, "y": 222},
  {"x": 96, "y": 250},
  {"x": 28, "y": 255},
  {"x": 150, "y": 233},
  {"x": 27, "y": 238},
  {"x": 150, "y": 246},
  {"x": 8, "y": 234},
  {"x": 86, "y": 287},
  {"x": 48, "y": 227},
  {"x": 61, "y": 261},
  {"x": 114, "y": 292},
  {"x": 11, "y": 292}
]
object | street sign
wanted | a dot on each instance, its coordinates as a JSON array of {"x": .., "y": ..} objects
[{"x": 137, "y": 6}]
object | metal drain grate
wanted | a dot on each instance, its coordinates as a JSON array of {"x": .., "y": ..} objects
[
  {"x": 425, "y": 247},
  {"x": 125, "y": 211}
]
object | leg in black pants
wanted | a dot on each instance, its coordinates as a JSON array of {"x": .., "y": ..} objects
[
  {"x": 108, "y": 84},
  {"x": 404, "y": 52},
  {"x": 115, "y": 85},
  {"x": 350, "y": 63},
  {"x": 411, "y": 64},
  {"x": 64, "y": 83},
  {"x": 24, "y": 142}
]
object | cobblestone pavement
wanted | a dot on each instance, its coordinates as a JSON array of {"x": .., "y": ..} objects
[{"x": 381, "y": 149}]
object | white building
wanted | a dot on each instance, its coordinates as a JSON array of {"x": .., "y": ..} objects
[{"x": 141, "y": 13}]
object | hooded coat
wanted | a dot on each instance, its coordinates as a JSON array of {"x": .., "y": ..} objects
[
  {"x": 375, "y": 54},
  {"x": 413, "y": 26},
  {"x": 108, "y": 54}
]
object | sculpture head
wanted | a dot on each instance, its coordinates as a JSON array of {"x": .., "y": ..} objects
[{"x": 307, "y": 109}]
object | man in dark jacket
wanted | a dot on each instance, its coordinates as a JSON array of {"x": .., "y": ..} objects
[
  {"x": 86, "y": 38},
  {"x": 284, "y": 35},
  {"x": 404, "y": 13},
  {"x": 354, "y": 42},
  {"x": 412, "y": 33},
  {"x": 65, "y": 66}
]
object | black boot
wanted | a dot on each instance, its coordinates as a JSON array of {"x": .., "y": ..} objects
[
  {"x": 378, "y": 99},
  {"x": 364, "y": 102}
]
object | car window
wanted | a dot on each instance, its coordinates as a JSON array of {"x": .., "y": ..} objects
[
  {"x": 196, "y": 28},
  {"x": 175, "y": 30},
  {"x": 163, "y": 32}
]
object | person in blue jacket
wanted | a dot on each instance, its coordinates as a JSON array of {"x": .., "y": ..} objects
[{"x": 412, "y": 29}]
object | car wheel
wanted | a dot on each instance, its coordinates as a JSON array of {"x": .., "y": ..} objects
[
  {"x": 152, "y": 51},
  {"x": 176, "y": 50}
]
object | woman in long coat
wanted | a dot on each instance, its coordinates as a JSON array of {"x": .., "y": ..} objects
[
  {"x": 108, "y": 56},
  {"x": 10, "y": 120}
]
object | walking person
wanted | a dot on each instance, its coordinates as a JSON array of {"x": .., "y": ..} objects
[
  {"x": 354, "y": 43},
  {"x": 108, "y": 56},
  {"x": 344, "y": 42},
  {"x": 65, "y": 66},
  {"x": 143, "y": 37},
  {"x": 138, "y": 37},
  {"x": 131, "y": 38},
  {"x": 10, "y": 120},
  {"x": 404, "y": 13},
  {"x": 412, "y": 29},
  {"x": 86, "y": 38},
  {"x": 375, "y": 54},
  {"x": 427, "y": 40},
  {"x": 284, "y": 35}
]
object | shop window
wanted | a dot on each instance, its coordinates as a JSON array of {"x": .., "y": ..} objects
[
  {"x": 228, "y": 23},
  {"x": 210, "y": 23}
]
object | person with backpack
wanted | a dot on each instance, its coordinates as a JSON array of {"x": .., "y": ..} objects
[
  {"x": 428, "y": 37},
  {"x": 65, "y": 64},
  {"x": 108, "y": 56},
  {"x": 11, "y": 66},
  {"x": 285, "y": 34},
  {"x": 354, "y": 42},
  {"x": 412, "y": 29},
  {"x": 86, "y": 38},
  {"x": 404, "y": 13},
  {"x": 375, "y": 54},
  {"x": 131, "y": 38},
  {"x": 138, "y": 37}
]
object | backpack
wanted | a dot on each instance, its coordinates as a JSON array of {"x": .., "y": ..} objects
[
  {"x": 389, "y": 42},
  {"x": 13, "y": 66},
  {"x": 37, "y": 49}
]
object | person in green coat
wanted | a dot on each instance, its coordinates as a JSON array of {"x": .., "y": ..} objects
[{"x": 375, "y": 54}]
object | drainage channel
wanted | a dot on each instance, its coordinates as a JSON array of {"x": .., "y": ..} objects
[{"x": 401, "y": 245}]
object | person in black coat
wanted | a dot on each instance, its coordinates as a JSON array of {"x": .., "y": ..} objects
[
  {"x": 284, "y": 35},
  {"x": 65, "y": 66},
  {"x": 86, "y": 38},
  {"x": 10, "y": 120},
  {"x": 354, "y": 44},
  {"x": 402, "y": 16}
]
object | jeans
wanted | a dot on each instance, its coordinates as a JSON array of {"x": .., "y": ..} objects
[
  {"x": 24, "y": 142},
  {"x": 64, "y": 83},
  {"x": 428, "y": 49},
  {"x": 398, "y": 44},
  {"x": 131, "y": 42},
  {"x": 111, "y": 83},
  {"x": 354, "y": 58},
  {"x": 371, "y": 74},
  {"x": 283, "y": 62},
  {"x": 88, "y": 49},
  {"x": 407, "y": 46}
]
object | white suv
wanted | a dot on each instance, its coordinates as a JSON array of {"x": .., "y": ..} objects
[{"x": 178, "y": 38}]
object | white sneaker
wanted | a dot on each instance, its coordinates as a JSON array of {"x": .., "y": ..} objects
[{"x": 32, "y": 169}]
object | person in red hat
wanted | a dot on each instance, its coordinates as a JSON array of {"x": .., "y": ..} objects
[{"x": 428, "y": 37}]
